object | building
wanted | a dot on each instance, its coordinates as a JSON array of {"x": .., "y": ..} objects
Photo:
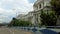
[
  {"x": 46, "y": 7},
  {"x": 27, "y": 17},
  {"x": 34, "y": 16},
  {"x": 20, "y": 16},
  {"x": 38, "y": 6}
]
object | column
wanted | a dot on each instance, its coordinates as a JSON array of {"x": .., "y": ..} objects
[
  {"x": 34, "y": 18},
  {"x": 38, "y": 7}
]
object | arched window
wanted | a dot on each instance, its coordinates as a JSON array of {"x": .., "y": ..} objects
[{"x": 40, "y": 6}]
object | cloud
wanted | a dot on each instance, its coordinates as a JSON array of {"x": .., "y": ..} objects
[
  {"x": 9, "y": 8},
  {"x": 4, "y": 18},
  {"x": 22, "y": 6},
  {"x": 6, "y": 15}
]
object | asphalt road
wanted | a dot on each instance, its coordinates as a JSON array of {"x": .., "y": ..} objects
[
  {"x": 12, "y": 30},
  {"x": 5, "y": 30}
]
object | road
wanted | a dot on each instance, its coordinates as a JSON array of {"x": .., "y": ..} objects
[
  {"x": 12, "y": 30},
  {"x": 5, "y": 30}
]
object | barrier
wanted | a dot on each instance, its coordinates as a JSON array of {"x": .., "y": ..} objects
[{"x": 34, "y": 29}]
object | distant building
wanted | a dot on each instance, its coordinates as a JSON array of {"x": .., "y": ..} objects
[
  {"x": 20, "y": 16},
  {"x": 27, "y": 17}
]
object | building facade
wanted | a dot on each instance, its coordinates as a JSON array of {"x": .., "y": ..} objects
[
  {"x": 34, "y": 16},
  {"x": 27, "y": 17},
  {"x": 38, "y": 6}
]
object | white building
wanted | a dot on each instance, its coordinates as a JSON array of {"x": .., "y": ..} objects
[
  {"x": 38, "y": 6},
  {"x": 27, "y": 17},
  {"x": 34, "y": 16}
]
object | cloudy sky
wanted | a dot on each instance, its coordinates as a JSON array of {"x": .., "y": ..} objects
[{"x": 9, "y": 8}]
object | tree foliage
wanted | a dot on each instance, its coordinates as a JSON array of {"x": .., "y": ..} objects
[
  {"x": 48, "y": 19},
  {"x": 16, "y": 22},
  {"x": 56, "y": 6}
]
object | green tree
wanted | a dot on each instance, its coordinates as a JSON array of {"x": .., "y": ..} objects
[
  {"x": 16, "y": 22},
  {"x": 48, "y": 19},
  {"x": 56, "y": 6},
  {"x": 12, "y": 22}
]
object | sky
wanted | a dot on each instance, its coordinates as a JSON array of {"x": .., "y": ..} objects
[{"x": 10, "y": 8}]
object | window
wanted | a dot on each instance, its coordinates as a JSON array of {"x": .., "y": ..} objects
[{"x": 40, "y": 6}]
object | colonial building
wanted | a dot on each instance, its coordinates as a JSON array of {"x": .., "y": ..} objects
[
  {"x": 27, "y": 17},
  {"x": 34, "y": 16},
  {"x": 38, "y": 6},
  {"x": 46, "y": 7}
]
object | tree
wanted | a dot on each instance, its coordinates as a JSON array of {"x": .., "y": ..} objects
[
  {"x": 16, "y": 22},
  {"x": 48, "y": 19},
  {"x": 12, "y": 22},
  {"x": 56, "y": 6}
]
